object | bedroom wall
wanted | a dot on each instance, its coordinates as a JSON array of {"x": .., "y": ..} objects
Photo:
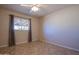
[
  {"x": 62, "y": 28},
  {"x": 21, "y": 36}
]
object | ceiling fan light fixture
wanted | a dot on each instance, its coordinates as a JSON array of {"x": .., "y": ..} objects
[{"x": 34, "y": 8}]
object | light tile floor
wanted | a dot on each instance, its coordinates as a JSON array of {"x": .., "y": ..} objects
[{"x": 36, "y": 48}]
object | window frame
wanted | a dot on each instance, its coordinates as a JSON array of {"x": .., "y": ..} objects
[{"x": 22, "y": 25}]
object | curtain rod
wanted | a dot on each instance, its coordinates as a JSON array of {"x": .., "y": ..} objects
[{"x": 20, "y": 17}]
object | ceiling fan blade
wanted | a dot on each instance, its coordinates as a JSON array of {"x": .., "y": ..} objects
[
  {"x": 40, "y": 6},
  {"x": 27, "y": 5}
]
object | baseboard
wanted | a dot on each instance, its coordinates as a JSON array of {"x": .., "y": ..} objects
[
  {"x": 62, "y": 46},
  {"x": 16, "y": 44},
  {"x": 3, "y": 46},
  {"x": 20, "y": 42},
  {"x": 24, "y": 42}
]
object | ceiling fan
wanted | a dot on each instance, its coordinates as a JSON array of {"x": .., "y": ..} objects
[{"x": 34, "y": 7}]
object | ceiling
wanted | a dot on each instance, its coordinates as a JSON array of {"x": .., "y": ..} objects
[{"x": 44, "y": 8}]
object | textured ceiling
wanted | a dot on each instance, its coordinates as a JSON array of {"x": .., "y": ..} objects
[{"x": 44, "y": 8}]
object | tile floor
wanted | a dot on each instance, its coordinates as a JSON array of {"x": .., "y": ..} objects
[{"x": 36, "y": 48}]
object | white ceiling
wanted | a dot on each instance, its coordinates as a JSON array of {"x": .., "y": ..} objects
[{"x": 44, "y": 8}]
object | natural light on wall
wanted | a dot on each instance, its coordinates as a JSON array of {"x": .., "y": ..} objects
[{"x": 21, "y": 23}]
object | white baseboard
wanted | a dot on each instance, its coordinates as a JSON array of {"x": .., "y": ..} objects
[
  {"x": 3, "y": 46},
  {"x": 24, "y": 42},
  {"x": 16, "y": 44},
  {"x": 62, "y": 46},
  {"x": 20, "y": 42}
]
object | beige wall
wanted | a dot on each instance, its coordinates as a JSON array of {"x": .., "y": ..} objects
[
  {"x": 22, "y": 36},
  {"x": 41, "y": 29},
  {"x": 62, "y": 28}
]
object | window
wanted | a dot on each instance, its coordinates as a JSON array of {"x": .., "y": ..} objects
[{"x": 21, "y": 23}]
